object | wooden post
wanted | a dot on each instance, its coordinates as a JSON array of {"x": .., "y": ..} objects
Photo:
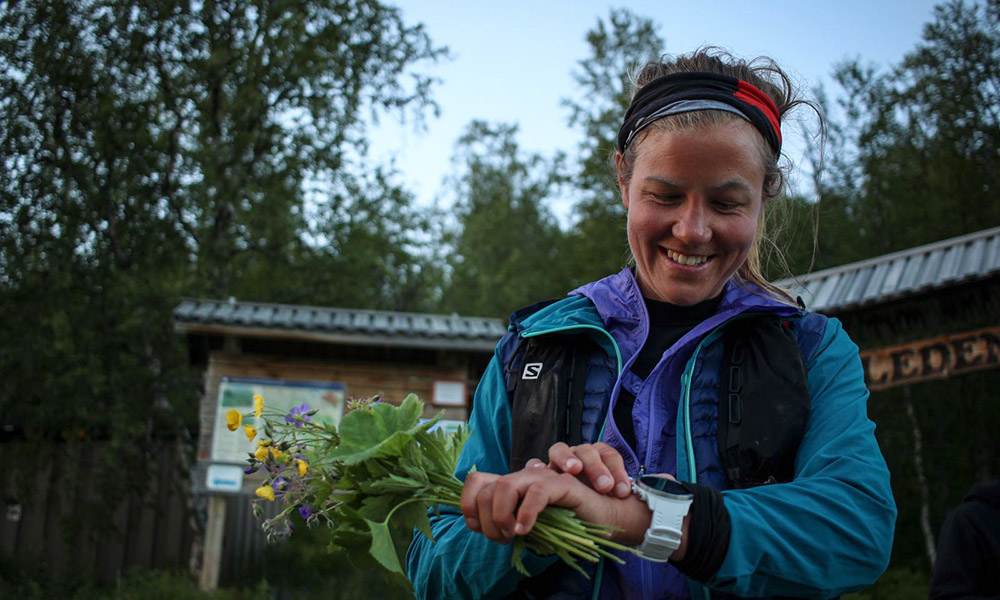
[{"x": 214, "y": 532}]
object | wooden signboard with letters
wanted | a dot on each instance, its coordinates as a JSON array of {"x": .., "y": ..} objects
[{"x": 932, "y": 358}]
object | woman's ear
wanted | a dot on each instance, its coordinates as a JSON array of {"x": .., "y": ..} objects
[{"x": 620, "y": 168}]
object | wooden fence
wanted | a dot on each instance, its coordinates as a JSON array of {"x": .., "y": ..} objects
[
  {"x": 53, "y": 523},
  {"x": 49, "y": 521}
]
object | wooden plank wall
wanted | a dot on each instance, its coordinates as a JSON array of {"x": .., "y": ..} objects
[{"x": 150, "y": 530}]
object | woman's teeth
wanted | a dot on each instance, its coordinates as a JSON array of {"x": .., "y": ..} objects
[{"x": 685, "y": 259}]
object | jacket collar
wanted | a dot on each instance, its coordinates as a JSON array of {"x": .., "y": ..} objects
[{"x": 619, "y": 303}]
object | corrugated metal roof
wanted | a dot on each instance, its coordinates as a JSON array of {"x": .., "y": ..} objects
[
  {"x": 900, "y": 274},
  {"x": 339, "y": 325}
]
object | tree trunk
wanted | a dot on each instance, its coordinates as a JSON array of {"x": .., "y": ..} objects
[{"x": 918, "y": 462}]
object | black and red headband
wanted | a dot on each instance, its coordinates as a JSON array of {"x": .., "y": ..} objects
[{"x": 686, "y": 92}]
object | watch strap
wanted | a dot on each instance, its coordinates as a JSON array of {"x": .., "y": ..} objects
[{"x": 665, "y": 529}]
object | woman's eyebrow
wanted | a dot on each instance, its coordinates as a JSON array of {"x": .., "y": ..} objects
[
  {"x": 732, "y": 184},
  {"x": 663, "y": 180},
  {"x": 729, "y": 184}
]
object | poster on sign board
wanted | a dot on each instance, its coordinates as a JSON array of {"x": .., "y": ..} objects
[{"x": 280, "y": 395}]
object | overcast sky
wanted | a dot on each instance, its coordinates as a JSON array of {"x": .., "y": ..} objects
[{"x": 512, "y": 61}]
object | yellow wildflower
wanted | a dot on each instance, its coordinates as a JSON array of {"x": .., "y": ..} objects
[
  {"x": 261, "y": 454},
  {"x": 263, "y": 442},
  {"x": 233, "y": 419},
  {"x": 258, "y": 405},
  {"x": 303, "y": 467},
  {"x": 266, "y": 492},
  {"x": 276, "y": 453},
  {"x": 250, "y": 431}
]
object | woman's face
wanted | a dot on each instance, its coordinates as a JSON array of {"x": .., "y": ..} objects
[{"x": 693, "y": 201}]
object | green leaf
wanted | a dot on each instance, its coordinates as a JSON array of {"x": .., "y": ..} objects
[
  {"x": 382, "y": 547},
  {"x": 382, "y": 431},
  {"x": 376, "y": 507},
  {"x": 350, "y": 540},
  {"x": 395, "y": 484},
  {"x": 413, "y": 515},
  {"x": 516, "y": 560}
]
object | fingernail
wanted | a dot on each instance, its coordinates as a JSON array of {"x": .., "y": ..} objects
[
  {"x": 573, "y": 463},
  {"x": 621, "y": 489},
  {"x": 519, "y": 529},
  {"x": 604, "y": 481}
]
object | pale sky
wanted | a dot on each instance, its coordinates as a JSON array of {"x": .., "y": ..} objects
[{"x": 512, "y": 62}]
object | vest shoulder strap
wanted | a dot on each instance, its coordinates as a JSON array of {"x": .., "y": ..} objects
[
  {"x": 546, "y": 381},
  {"x": 764, "y": 401}
]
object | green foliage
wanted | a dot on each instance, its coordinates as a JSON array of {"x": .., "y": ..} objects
[
  {"x": 596, "y": 245},
  {"x": 371, "y": 480},
  {"x": 381, "y": 432},
  {"x": 173, "y": 149},
  {"x": 506, "y": 241},
  {"x": 917, "y": 157}
]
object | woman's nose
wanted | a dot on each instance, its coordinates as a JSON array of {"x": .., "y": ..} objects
[{"x": 692, "y": 225}]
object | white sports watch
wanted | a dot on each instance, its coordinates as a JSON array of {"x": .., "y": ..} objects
[{"x": 670, "y": 502}]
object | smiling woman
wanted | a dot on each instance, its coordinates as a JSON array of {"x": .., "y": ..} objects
[
  {"x": 693, "y": 200},
  {"x": 689, "y": 366}
]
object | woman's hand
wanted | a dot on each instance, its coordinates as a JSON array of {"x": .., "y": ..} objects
[
  {"x": 503, "y": 506},
  {"x": 599, "y": 464}
]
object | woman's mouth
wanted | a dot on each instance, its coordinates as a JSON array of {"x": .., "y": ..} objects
[{"x": 691, "y": 260}]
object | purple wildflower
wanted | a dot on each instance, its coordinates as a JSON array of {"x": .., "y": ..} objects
[
  {"x": 298, "y": 415},
  {"x": 305, "y": 511}
]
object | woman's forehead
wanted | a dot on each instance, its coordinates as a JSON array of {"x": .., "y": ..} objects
[{"x": 729, "y": 140}]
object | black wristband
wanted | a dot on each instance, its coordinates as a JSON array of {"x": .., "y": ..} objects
[{"x": 708, "y": 534}]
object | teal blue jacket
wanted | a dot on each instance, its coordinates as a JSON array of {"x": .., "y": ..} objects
[{"x": 827, "y": 532}]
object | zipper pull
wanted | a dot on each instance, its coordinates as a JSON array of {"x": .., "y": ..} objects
[{"x": 642, "y": 470}]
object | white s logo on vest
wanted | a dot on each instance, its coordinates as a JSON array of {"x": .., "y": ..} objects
[{"x": 532, "y": 371}]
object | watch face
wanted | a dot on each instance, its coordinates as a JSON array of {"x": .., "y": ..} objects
[{"x": 663, "y": 485}]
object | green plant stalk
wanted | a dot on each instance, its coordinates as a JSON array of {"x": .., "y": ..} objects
[{"x": 554, "y": 532}]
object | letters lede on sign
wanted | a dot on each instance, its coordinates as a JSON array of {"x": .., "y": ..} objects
[{"x": 932, "y": 358}]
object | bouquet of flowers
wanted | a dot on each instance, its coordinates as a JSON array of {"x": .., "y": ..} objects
[{"x": 381, "y": 471}]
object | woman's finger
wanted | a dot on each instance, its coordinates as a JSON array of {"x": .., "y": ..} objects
[
  {"x": 561, "y": 489},
  {"x": 600, "y": 465},
  {"x": 562, "y": 458},
  {"x": 594, "y": 468},
  {"x": 506, "y": 495},
  {"x": 536, "y": 498},
  {"x": 484, "y": 501},
  {"x": 468, "y": 501},
  {"x": 613, "y": 460}
]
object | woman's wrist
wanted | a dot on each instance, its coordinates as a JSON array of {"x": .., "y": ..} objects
[{"x": 632, "y": 518}]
